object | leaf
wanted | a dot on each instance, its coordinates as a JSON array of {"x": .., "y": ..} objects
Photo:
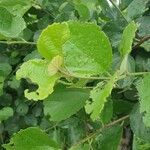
[
  {"x": 70, "y": 99},
  {"x": 127, "y": 39},
  {"x": 31, "y": 138},
  {"x": 5, "y": 113},
  {"x": 84, "y": 54},
  {"x": 37, "y": 71},
  {"x": 10, "y": 25},
  {"x": 144, "y": 27},
  {"x": 138, "y": 127},
  {"x": 110, "y": 138},
  {"x": 99, "y": 97},
  {"x": 143, "y": 87},
  {"x": 55, "y": 65},
  {"x": 51, "y": 40},
  {"x": 136, "y": 9},
  {"x": 16, "y": 7}
]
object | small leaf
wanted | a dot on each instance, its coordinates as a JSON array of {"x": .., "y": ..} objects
[
  {"x": 31, "y": 138},
  {"x": 5, "y": 113},
  {"x": 55, "y": 65},
  {"x": 127, "y": 39},
  {"x": 37, "y": 71},
  {"x": 64, "y": 102},
  {"x": 143, "y": 88},
  {"x": 99, "y": 96},
  {"x": 10, "y": 25},
  {"x": 51, "y": 40}
]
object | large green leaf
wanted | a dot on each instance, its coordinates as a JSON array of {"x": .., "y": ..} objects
[
  {"x": 10, "y": 25},
  {"x": 127, "y": 39},
  {"x": 32, "y": 139},
  {"x": 99, "y": 96},
  {"x": 16, "y": 7},
  {"x": 84, "y": 54},
  {"x": 37, "y": 71},
  {"x": 143, "y": 88},
  {"x": 65, "y": 102},
  {"x": 88, "y": 51},
  {"x": 136, "y": 9},
  {"x": 5, "y": 113}
]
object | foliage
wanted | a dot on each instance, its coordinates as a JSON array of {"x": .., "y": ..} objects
[{"x": 74, "y": 74}]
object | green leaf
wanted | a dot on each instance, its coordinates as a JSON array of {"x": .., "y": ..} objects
[
  {"x": 99, "y": 97},
  {"x": 5, "y": 113},
  {"x": 16, "y": 7},
  {"x": 31, "y": 138},
  {"x": 110, "y": 138},
  {"x": 143, "y": 88},
  {"x": 137, "y": 125},
  {"x": 37, "y": 71},
  {"x": 84, "y": 54},
  {"x": 127, "y": 39},
  {"x": 10, "y": 25},
  {"x": 51, "y": 40},
  {"x": 64, "y": 102},
  {"x": 83, "y": 12},
  {"x": 136, "y": 9},
  {"x": 87, "y": 52}
]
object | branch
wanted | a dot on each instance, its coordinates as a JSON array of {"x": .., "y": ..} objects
[
  {"x": 17, "y": 42},
  {"x": 92, "y": 135},
  {"x": 144, "y": 39}
]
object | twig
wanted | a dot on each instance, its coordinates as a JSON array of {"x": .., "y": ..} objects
[
  {"x": 144, "y": 39},
  {"x": 138, "y": 73},
  {"x": 99, "y": 130},
  {"x": 17, "y": 42}
]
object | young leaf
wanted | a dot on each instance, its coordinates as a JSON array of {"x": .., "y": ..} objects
[
  {"x": 37, "y": 71},
  {"x": 127, "y": 39},
  {"x": 5, "y": 113},
  {"x": 143, "y": 88},
  {"x": 70, "y": 99},
  {"x": 10, "y": 25},
  {"x": 31, "y": 138},
  {"x": 99, "y": 96},
  {"x": 51, "y": 40}
]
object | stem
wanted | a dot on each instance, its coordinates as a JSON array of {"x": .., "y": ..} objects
[
  {"x": 118, "y": 10},
  {"x": 99, "y": 130},
  {"x": 144, "y": 39},
  {"x": 75, "y": 76},
  {"x": 137, "y": 73},
  {"x": 17, "y": 42}
]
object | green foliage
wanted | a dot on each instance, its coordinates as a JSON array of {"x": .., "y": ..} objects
[
  {"x": 127, "y": 39},
  {"x": 72, "y": 73}
]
